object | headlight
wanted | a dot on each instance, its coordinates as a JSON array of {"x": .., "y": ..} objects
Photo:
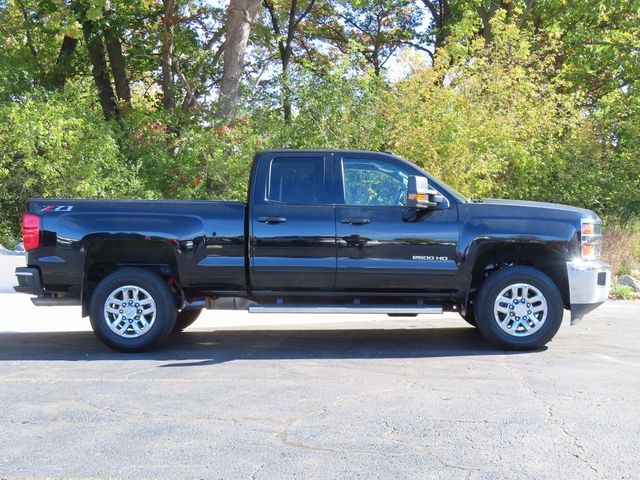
[{"x": 590, "y": 238}]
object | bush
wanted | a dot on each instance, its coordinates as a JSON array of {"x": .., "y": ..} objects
[
  {"x": 53, "y": 146},
  {"x": 621, "y": 292},
  {"x": 621, "y": 248}
]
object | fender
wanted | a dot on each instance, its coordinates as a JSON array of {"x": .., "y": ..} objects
[{"x": 497, "y": 238}]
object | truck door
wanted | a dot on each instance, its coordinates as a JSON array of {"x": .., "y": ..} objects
[
  {"x": 381, "y": 243},
  {"x": 292, "y": 222}
]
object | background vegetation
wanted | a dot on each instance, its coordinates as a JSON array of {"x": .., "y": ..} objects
[{"x": 536, "y": 99}]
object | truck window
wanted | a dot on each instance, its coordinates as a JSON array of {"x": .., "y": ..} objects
[
  {"x": 374, "y": 182},
  {"x": 298, "y": 181}
]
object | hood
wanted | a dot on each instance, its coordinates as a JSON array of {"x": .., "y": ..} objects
[
  {"x": 523, "y": 210},
  {"x": 506, "y": 203}
]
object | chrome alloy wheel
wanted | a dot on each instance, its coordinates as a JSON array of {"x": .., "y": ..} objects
[
  {"x": 130, "y": 311},
  {"x": 520, "y": 309}
]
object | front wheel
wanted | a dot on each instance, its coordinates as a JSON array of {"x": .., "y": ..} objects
[
  {"x": 132, "y": 310},
  {"x": 519, "y": 308}
]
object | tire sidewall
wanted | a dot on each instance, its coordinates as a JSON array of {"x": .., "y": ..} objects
[
  {"x": 492, "y": 287},
  {"x": 159, "y": 291}
]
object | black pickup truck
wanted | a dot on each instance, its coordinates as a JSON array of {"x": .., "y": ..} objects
[{"x": 321, "y": 232}]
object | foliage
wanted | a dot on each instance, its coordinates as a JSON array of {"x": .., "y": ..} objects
[
  {"x": 621, "y": 292},
  {"x": 53, "y": 146},
  {"x": 621, "y": 248}
]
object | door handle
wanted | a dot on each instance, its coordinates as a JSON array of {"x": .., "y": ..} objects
[
  {"x": 356, "y": 221},
  {"x": 272, "y": 219}
]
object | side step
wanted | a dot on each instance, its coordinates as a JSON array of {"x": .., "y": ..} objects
[{"x": 344, "y": 309}]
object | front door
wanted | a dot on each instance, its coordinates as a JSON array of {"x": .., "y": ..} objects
[
  {"x": 293, "y": 244},
  {"x": 382, "y": 244}
]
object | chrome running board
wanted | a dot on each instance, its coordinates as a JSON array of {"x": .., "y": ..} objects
[{"x": 344, "y": 309}]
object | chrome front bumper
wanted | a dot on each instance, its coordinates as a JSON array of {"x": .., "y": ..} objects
[{"x": 589, "y": 283}]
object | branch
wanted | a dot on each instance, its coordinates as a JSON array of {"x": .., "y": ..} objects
[{"x": 304, "y": 13}]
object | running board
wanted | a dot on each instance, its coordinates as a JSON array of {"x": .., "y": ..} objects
[{"x": 343, "y": 309}]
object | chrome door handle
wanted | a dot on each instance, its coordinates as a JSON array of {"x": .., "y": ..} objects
[
  {"x": 272, "y": 219},
  {"x": 356, "y": 221}
]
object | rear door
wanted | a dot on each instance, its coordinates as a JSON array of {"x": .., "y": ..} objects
[
  {"x": 381, "y": 243},
  {"x": 292, "y": 223}
]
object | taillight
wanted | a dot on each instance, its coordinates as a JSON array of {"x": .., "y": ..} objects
[{"x": 30, "y": 231}]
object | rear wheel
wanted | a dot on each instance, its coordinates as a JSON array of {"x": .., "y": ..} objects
[
  {"x": 185, "y": 318},
  {"x": 132, "y": 310},
  {"x": 519, "y": 308}
]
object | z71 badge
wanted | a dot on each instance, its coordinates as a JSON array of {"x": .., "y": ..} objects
[{"x": 57, "y": 208}]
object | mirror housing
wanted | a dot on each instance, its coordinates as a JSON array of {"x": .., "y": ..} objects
[{"x": 420, "y": 195}]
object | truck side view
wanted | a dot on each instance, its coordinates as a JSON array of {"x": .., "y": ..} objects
[{"x": 322, "y": 231}]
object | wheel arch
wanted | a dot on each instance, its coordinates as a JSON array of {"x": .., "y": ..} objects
[
  {"x": 106, "y": 255},
  {"x": 544, "y": 257}
]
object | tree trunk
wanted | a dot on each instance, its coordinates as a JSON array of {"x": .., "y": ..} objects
[
  {"x": 240, "y": 16},
  {"x": 168, "y": 23},
  {"x": 62, "y": 68},
  {"x": 286, "y": 88},
  {"x": 99, "y": 69},
  {"x": 116, "y": 59}
]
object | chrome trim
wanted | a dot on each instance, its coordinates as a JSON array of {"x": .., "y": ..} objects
[
  {"x": 56, "y": 302},
  {"x": 583, "y": 283},
  {"x": 24, "y": 274},
  {"x": 343, "y": 309}
]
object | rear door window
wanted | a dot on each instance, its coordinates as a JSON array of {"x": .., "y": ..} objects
[{"x": 298, "y": 181}]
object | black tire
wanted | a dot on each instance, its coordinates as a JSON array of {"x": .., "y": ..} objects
[
  {"x": 491, "y": 289},
  {"x": 186, "y": 318},
  {"x": 161, "y": 295}
]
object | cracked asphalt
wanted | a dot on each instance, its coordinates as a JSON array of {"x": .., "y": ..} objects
[{"x": 328, "y": 398}]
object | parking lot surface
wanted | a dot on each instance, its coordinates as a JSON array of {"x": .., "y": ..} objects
[{"x": 323, "y": 397}]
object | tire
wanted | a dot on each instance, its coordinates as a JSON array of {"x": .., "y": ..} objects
[
  {"x": 186, "y": 318},
  {"x": 146, "y": 316},
  {"x": 518, "y": 308}
]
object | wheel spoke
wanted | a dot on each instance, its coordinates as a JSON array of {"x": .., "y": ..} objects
[
  {"x": 136, "y": 328},
  {"x": 505, "y": 300}
]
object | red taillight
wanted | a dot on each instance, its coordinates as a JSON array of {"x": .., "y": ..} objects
[{"x": 30, "y": 231}]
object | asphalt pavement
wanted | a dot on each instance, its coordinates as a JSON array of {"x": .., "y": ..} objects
[{"x": 318, "y": 397}]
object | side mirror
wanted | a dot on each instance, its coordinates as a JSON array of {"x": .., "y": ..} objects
[{"x": 420, "y": 195}]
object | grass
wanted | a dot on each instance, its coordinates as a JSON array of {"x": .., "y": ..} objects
[{"x": 621, "y": 292}]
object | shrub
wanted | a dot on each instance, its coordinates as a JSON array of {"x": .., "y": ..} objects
[
  {"x": 621, "y": 292},
  {"x": 52, "y": 146}
]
